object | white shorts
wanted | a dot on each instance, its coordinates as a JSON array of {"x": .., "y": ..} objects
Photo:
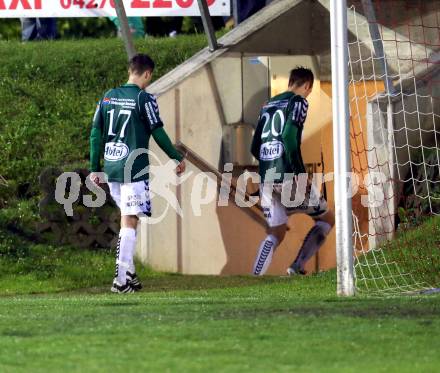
[
  {"x": 276, "y": 213},
  {"x": 132, "y": 198}
]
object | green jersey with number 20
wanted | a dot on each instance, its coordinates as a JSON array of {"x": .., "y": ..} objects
[
  {"x": 277, "y": 139},
  {"x": 124, "y": 119}
]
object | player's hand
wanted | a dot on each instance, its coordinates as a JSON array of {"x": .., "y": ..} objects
[
  {"x": 181, "y": 168},
  {"x": 95, "y": 178}
]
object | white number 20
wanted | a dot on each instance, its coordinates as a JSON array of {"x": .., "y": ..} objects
[
  {"x": 267, "y": 131},
  {"x": 121, "y": 112}
]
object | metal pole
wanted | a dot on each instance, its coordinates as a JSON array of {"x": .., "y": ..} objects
[
  {"x": 341, "y": 147},
  {"x": 235, "y": 12},
  {"x": 391, "y": 91},
  {"x": 207, "y": 25},
  {"x": 125, "y": 29},
  {"x": 377, "y": 44},
  {"x": 391, "y": 188}
]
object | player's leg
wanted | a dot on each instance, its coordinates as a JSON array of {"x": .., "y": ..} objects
[
  {"x": 313, "y": 241},
  {"x": 134, "y": 201},
  {"x": 120, "y": 281},
  {"x": 142, "y": 188},
  {"x": 129, "y": 236},
  {"x": 125, "y": 250},
  {"x": 324, "y": 221},
  {"x": 276, "y": 218},
  {"x": 275, "y": 236}
]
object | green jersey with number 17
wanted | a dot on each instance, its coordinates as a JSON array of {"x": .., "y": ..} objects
[
  {"x": 277, "y": 139},
  {"x": 125, "y": 118}
]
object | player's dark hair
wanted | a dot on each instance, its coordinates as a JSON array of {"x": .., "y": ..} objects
[
  {"x": 140, "y": 63},
  {"x": 300, "y": 75}
]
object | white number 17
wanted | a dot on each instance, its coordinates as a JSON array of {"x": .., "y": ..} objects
[{"x": 121, "y": 112}]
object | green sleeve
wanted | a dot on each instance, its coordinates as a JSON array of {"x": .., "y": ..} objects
[
  {"x": 164, "y": 142},
  {"x": 292, "y": 147},
  {"x": 95, "y": 141},
  {"x": 256, "y": 142}
]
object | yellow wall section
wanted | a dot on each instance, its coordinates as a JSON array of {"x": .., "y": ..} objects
[{"x": 359, "y": 95}]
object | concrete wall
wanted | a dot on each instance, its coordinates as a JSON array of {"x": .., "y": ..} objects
[{"x": 223, "y": 240}]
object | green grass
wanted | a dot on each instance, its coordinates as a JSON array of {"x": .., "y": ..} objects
[
  {"x": 227, "y": 324},
  {"x": 50, "y": 90},
  {"x": 38, "y": 268},
  {"x": 412, "y": 257},
  {"x": 57, "y": 314}
]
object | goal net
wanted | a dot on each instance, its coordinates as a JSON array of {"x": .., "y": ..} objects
[{"x": 394, "y": 90}]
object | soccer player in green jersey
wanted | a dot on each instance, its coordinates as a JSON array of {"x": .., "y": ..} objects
[
  {"x": 125, "y": 119},
  {"x": 277, "y": 146}
]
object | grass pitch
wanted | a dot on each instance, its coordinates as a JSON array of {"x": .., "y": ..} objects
[
  {"x": 57, "y": 314},
  {"x": 227, "y": 324}
]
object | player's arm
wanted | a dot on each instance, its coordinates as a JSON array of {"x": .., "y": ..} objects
[
  {"x": 96, "y": 142},
  {"x": 256, "y": 141},
  {"x": 151, "y": 112},
  {"x": 164, "y": 142},
  {"x": 291, "y": 136}
]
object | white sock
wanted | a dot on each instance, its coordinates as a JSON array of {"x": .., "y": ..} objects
[
  {"x": 313, "y": 241},
  {"x": 265, "y": 253},
  {"x": 131, "y": 267},
  {"x": 124, "y": 254}
]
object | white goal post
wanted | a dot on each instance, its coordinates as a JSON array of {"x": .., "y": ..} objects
[
  {"x": 386, "y": 115},
  {"x": 341, "y": 145}
]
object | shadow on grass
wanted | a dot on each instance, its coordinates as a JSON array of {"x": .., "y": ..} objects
[
  {"x": 357, "y": 310},
  {"x": 177, "y": 282}
]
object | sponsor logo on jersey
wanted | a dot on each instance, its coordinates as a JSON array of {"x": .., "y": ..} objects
[
  {"x": 281, "y": 104},
  {"x": 271, "y": 150},
  {"x": 115, "y": 151},
  {"x": 106, "y": 101}
]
